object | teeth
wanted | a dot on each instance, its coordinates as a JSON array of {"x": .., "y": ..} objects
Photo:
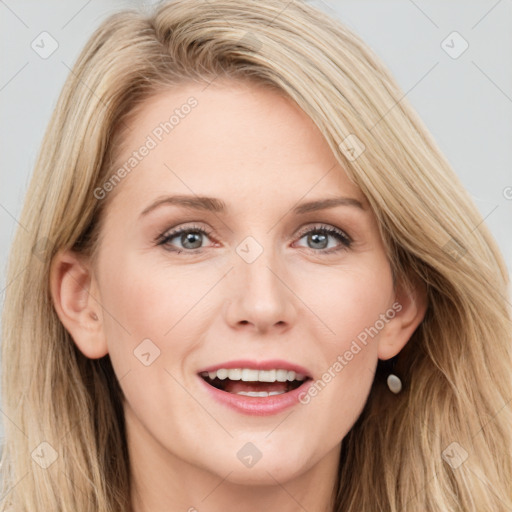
[
  {"x": 281, "y": 375},
  {"x": 249, "y": 375},
  {"x": 235, "y": 374},
  {"x": 260, "y": 393},
  {"x": 290, "y": 375},
  {"x": 267, "y": 376},
  {"x": 222, "y": 373}
]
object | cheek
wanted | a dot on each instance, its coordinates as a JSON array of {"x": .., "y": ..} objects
[
  {"x": 348, "y": 301},
  {"x": 142, "y": 303},
  {"x": 352, "y": 309}
]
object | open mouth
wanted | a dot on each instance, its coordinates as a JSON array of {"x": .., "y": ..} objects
[{"x": 254, "y": 383}]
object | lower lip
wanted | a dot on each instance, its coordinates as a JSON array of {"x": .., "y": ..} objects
[{"x": 257, "y": 406}]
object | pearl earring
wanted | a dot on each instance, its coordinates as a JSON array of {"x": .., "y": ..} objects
[{"x": 394, "y": 383}]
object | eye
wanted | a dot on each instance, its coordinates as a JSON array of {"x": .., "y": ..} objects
[
  {"x": 190, "y": 238},
  {"x": 318, "y": 237}
]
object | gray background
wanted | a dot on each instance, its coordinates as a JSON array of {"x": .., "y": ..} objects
[{"x": 466, "y": 102}]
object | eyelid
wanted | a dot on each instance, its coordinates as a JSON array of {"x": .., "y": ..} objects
[
  {"x": 343, "y": 237},
  {"x": 172, "y": 232},
  {"x": 324, "y": 227}
]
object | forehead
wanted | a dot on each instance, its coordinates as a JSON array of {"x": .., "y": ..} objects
[{"x": 229, "y": 139}]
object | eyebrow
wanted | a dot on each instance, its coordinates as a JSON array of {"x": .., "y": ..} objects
[{"x": 213, "y": 204}]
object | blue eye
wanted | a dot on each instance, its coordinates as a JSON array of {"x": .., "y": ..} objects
[
  {"x": 319, "y": 237},
  {"x": 191, "y": 239}
]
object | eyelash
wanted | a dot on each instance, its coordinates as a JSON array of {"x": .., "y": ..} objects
[{"x": 345, "y": 240}]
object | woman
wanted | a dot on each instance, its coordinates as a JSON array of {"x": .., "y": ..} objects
[{"x": 250, "y": 281}]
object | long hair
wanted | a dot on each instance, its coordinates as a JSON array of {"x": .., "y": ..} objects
[{"x": 443, "y": 444}]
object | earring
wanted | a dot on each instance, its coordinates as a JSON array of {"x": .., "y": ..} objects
[{"x": 393, "y": 381}]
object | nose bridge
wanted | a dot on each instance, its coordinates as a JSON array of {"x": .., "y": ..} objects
[
  {"x": 260, "y": 296},
  {"x": 258, "y": 267},
  {"x": 260, "y": 274}
]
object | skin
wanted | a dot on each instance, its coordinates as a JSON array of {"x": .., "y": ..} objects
[{"x": 260, "y": 154}]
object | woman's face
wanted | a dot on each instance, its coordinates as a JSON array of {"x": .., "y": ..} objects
[{"x": 256, "y": 279}]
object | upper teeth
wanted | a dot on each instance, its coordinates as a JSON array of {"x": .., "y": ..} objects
[{"x": 249, "y": 375}]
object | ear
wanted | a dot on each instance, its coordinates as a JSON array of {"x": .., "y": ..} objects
[
  {"x": 76, "y": 301},
  {"x": 410, "y": 307}
]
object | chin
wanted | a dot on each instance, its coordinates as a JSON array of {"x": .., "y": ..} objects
[{"x": 265, "y": 467}]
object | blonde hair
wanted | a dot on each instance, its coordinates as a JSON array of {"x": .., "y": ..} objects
[{"x": 455, "y": 368}]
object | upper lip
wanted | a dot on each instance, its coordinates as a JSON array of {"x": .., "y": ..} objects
[{"x": 271, "y": 364}]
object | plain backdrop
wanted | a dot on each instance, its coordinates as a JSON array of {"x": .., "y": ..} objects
[{"x": 451, "y": 58}]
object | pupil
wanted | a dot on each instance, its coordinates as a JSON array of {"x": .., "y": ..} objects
[
  {"x": 315, "y": 239},
  {"x": 189, "y": 238}
]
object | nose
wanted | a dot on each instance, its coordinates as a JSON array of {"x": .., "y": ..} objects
[{"x": 260, "y": 296}]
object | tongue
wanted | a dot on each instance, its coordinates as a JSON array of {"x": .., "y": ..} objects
[{"x": 234, "y": 386}]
